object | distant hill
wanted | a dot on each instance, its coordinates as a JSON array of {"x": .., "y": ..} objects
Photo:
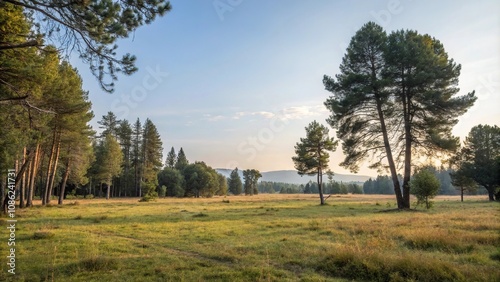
[{"x": 291, "y": 176}]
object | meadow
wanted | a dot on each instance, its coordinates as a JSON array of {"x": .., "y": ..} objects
[{"x": 257, "y": 238}]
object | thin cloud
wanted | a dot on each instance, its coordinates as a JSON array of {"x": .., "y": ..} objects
[
  {"x": 300, "y": 112},
  {"x": 264, "y": 114}
]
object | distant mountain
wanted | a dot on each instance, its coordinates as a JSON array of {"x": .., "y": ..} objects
[{"x": 291, "y": 176}]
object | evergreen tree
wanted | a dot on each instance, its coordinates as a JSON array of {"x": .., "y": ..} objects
[
  {"x": 361, "y": 108},
  {"x": 223, "y": 187},
  {"x": 137, "y": 156},
  {"x": 109, "y": 124},
  {"x": 109, "y": 160},
  {"x": 91, "y": 28},
  {"x": 124, "y": 133},
  {"x": 235, "y": 185},
  {"x": 151, "y": 159},
  {"x": 404, "y": 78},
  {"x": 170, "y": 162},
  {"x": 480, "y": 158},
  {"x": 182, "y": 161},
  {"x": 312, "y": 153}
]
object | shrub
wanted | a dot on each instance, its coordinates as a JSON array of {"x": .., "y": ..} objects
[
  {"x": 162, "y": 191},
  {"x": 424, "y": 186}
]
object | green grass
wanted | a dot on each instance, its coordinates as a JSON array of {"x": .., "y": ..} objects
[{"x": 259, "y": 238}]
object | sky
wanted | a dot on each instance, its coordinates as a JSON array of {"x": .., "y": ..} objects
[{"x": 235, "y": 82}]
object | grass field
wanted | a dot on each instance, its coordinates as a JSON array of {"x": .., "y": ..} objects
[{"x": 258, "y": 238}]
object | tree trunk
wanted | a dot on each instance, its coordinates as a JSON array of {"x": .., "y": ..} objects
[
  {"x": 491, "y": 194},
  {"x": 45, "y": 195},
  {"x": 320, "y": 188},
  {"x": 63, "y": 185},
  {"x": 54, "y": 171},
  {"x": 108, "y": 188},
  {"x": 34, "y": 169},
  {"x": 407, "y": 152},
  {"x": 461, "y": 194},
  {"x": 20, "y": 173},
  {"x": 390, "y": 159},
  {"x": 22, "y": 188}
]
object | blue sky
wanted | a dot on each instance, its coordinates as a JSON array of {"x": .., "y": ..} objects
[{"x": 234, "y": 82}]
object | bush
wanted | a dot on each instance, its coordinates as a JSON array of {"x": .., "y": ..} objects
[
  {"x": 424, "y": 186},
  {"x": 149, "y": 197},
  {"x": 162, "y": 191}
]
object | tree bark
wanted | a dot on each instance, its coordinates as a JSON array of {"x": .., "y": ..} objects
[
  {"x": 20, "y": 173},
  {"x": 388, "y": 151},
  {"x": 407, "y": 149},
  {"x": 63, "y": 185},
  {"x": 49, "y": 169},
  {"x": 108, "y": 188},
  {"x": 34, "y": 169},
  {"x": 22, "y": 188},
  {"x": 54, "y": 171}
]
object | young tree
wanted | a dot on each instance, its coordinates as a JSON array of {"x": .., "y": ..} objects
[
  {"x": 182, "y": 161},
  {"x": 312, "y": 153},
  {"x": 91, "y": 28},
  {"x": 424, "y": 186},
  {"x": 109, "y": 124},
  {"x": 170, "y": 162},
  {"x": 109, "y": 159},
  {"x": 462, "y": 183},
  {"x": 235, "y": 185}
]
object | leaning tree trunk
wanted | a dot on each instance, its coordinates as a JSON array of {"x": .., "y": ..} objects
[
  {"x": 45, "y": 195},
  {"x": 388, "y": 151},
  {"x": 54, "y": 170}
]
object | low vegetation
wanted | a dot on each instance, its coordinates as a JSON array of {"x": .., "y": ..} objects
[{"x": 259, "y": 238}]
